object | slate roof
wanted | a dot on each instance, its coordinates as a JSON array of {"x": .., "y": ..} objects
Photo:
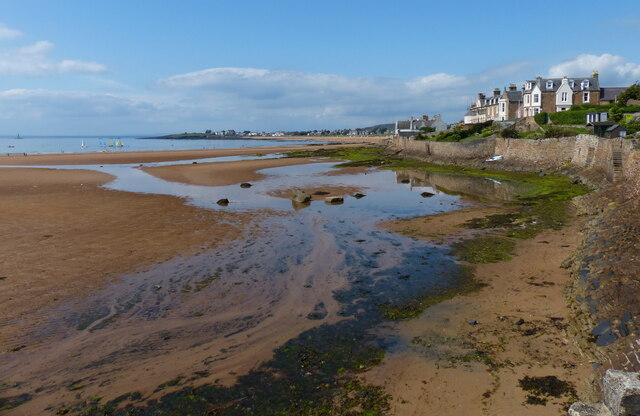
[
  {"x": 514, "y": 96},
  {"x": 611, "y": 93},
  {"x": 594, "y": 84}
]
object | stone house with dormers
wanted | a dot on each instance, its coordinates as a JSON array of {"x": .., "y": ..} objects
[
  {"x": 501, "y": 106},
  {"x": 552, "y": 95}
]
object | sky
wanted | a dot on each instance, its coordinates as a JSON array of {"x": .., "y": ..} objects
[{"x": 157, "y": 67}]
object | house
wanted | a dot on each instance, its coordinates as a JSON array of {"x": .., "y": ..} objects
[
  {"x": 500, "y": 106},
  {"x": 552, "y": 95},
  {"x": 609, "y": 95},
  {"x": 510, "y": 104},
  {"x": 412, "y": 127},
  {"x": 608, "y": 129}
]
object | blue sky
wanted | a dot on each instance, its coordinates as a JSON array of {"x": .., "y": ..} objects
[{"x": 150, "y": 67}]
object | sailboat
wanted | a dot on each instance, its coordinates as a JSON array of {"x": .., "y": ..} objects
[
  {"x": 18, "y": 137},
  {"x": 82, "y": 144},
  {"x": 119, "y": 143},
  {"x": 110, "y": 143}
]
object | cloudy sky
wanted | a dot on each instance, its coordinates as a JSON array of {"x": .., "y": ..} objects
[{"x": 154, "y": 67}]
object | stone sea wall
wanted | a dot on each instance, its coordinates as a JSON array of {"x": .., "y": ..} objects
[{"x": 611, "y": 160}]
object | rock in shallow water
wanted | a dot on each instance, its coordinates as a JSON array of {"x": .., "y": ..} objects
[
  {"x": 223, "y": 201},
  {"x": 334, "y": 199}
]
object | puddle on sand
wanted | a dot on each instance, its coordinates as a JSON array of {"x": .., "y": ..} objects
[{"x": 312, "y": 279}]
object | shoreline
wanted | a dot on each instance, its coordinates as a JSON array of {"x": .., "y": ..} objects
[
  {"x": 515, "y": 327},
  {"x": 97, "y": 158},
  {"x": 446, "y": 320}
]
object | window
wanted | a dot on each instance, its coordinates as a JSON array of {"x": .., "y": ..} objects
[
  {"x": 585, "y": 97},
  {"x": 526, "y": 99},
  {"x": 549, "y": 84},
  {"x": 564, "y": 97},
  {"x": 572, "y": 84},
  {"x": 585, "y": 84},
  {"x": 503, "y": 107},
  {"x": 536, "y": 98}
]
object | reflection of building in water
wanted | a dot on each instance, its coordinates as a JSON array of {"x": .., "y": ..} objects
[{"x": 461, "y": 184}]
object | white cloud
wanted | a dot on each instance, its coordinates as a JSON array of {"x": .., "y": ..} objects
[
  {"x": 34, "y": 60},
  {"x": 613, "y": 69},
  {"x": 282, "y": 98},
  {"x": 8, "y": 33}
]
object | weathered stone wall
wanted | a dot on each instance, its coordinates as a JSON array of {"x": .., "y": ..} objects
[
  {"x": 477, "y": 149},
  {"x": 583, "y": 151},
  {"x": 545, "y": 153}
]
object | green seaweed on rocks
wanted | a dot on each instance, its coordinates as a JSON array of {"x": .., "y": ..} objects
[{"x": 487, "y": 249}]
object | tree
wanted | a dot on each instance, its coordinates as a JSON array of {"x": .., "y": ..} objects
[{"x": 632, "y": 93}]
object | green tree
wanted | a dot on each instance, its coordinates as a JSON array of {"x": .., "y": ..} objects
[{"x": 632, "y": 93}]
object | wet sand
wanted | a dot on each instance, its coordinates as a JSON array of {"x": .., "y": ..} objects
[
  {"x": 62, "y": 236},
  {"x": 97, "y": 158},
  {"x": 221, "y": 173},
  {"x": 452, "y": 367}
]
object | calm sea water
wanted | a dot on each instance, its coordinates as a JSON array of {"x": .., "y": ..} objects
[{"x": 74, "y": 144}]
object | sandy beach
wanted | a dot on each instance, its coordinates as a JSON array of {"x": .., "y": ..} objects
[
  {"x": 63, "y": 238},
  {"x": 519, "y": 329}
]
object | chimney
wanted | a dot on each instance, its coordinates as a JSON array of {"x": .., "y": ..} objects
[
  {"x": 425, "y": 117},
  {"x": 513, "y": 87},
  {"x": 496, "y": 92},
  {"x": 480, "y": 96},
  {"x": 594, "y": 74}
]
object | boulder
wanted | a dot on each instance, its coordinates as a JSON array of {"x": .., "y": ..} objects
[
  {"x": 584, "y": 409},
  {"x": 334, "y": 199},
  {"x": 358, "y": 195},
  {"x": 621, "y": 391},
  {"x": 223, "y": 202},
  {"x": 426, "y": 194},
  {"x": 245, "y": 185},
  {"x": 300, "y": 197}
]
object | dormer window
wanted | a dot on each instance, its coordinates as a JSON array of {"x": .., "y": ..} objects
[
  {"x": 585, "y": 84},
  {"x": 549, "y": 84},
  {"x": 528, "y": 85},
  {"x": 572, "y": 84}
]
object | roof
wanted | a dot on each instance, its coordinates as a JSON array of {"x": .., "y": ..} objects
[
  {"x": 514, "y": 96},
  {"x": 594, "y": 84},
  {"x": 601, "y": 123},
  {"x": 611, "y": 93},
  {"x": 615, "y": 126},
  {"x": 404, "y": 124}
]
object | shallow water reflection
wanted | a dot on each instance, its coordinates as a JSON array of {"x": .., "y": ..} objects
[{"x": 223, "y": 311}]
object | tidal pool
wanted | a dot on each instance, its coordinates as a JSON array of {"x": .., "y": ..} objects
[{"x": 273, "y": 322}]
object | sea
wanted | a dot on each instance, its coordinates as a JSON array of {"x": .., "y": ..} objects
[{"x": 79, "y": 144}]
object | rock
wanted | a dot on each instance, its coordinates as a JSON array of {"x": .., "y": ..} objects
[
  {"x": 358, "y": 195},
  {"x": 245, "y": 185},
  {"x": 584, "y": 409},
  {"x": 300, "y": 197},
  {"x": 472, "y": 322},
  {"x": 405, "y": 181},
  {"x": 621, "y": 391},
  {"x": 519, "y": 322},
  {"x": 3, "y": 277},
  {"x": 334, "y": 199},
  {"x": 606, "y": 339},
  {"x": 223, "y": 202},
  {"x": 601, "y": 328},
  {"x": 194, "y": 163},
  {"x": 321, "y": 193},
  {"x": 426, "y": 194},
  {"x": 567, "y": 263}
]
